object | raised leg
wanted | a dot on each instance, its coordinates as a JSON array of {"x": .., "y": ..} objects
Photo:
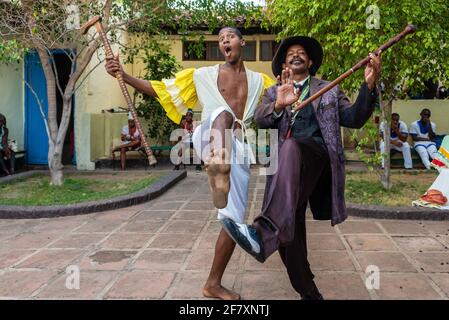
[
  {"x": 278, "y": 214},
  {"x": 224, "y": 247},
  {"x": 300, "y": 168},
  {"x": 217, "y": 165}
]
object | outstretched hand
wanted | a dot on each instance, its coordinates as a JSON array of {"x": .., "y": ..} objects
[{"x": 286, "y": 91}]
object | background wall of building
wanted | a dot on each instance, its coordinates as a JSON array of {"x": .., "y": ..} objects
[
  {"x": 11, "y": 101},
  {"x": 259, "y": 66},
  {"x": 108, "y": 126},
  {"x": 100, "y": 91}
]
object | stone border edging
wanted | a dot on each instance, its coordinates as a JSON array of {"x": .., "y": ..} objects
[
  {"x": 397, "y": 213},
  {"x": 22, "y": 175},
  {"x": 37, "y": 212},
  {"x": 160, "y": 186}
]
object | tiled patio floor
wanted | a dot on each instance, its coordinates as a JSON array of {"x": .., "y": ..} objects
[{"x": 163, "y": 250}]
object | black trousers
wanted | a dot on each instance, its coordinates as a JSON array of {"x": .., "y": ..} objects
[
  {"x": 282, "y": 224},
  {"x": 3, "y": 160}
]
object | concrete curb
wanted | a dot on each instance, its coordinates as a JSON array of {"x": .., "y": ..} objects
[
  {"x": 37, "y": 212},
  {"x": 397, "y": 213},
  {"x": 22, "y": 175}
]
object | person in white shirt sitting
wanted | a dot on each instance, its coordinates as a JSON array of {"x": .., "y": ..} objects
[
  {"x": 398, "y": 140},
  {"x": 131, "y": 140},
  {"x": 423, "y": 133}
]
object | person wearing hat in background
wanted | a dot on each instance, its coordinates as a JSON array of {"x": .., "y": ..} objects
[
  {"x": 311, "y": 162},
  {"x": 131, "y": 140},
  {"x": 188, "y": 125}
]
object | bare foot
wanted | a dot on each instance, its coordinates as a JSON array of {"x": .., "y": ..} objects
[
  {"x": 218, "y": 169},
  {"x": 220, "y": 292}
]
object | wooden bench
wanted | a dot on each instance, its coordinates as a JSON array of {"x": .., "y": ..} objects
[
  {"x": 397, "y": 161},
  {"x": 161, "y": 148},
  {"x": 140, "y": 153},
  {"x": 158, "y": 149},
  {"x": 20, "y": 153}
]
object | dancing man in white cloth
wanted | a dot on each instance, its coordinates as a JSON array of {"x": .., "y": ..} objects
[{"x": 228, "y": 94}]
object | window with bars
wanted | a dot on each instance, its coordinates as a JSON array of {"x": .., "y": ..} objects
[
  {"x": 267, "y": 50},
  {"x": 249, "y": 51}
]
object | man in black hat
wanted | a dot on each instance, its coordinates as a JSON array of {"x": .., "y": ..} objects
[{"x": 310, "y": 161}]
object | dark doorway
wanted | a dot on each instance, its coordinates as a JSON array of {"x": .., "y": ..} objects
[{"x": 64, "y": 67}]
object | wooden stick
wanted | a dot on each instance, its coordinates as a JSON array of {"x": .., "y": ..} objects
[
  {"x": 407, "y": 30},
  {"x": 97, "y": 22}
]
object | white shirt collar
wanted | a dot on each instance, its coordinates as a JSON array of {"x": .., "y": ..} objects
[{"x": 302, "y": 81}]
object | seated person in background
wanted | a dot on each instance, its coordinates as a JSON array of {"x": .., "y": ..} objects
[
  {"x": 398, "y": 140},
  {"x": 188, "y": 126},
  {"x": 5, "y": 151},
  {"x": 423, "y": 133},
  {"x": 131, "y": 140}
]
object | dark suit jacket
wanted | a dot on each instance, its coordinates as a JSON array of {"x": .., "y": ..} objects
[{"x": 332, "y": 110}]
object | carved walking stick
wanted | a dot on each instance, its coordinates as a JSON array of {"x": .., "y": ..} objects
[
  {"x": 97, "y": 22},
  {"x": 408, "y": 30}
]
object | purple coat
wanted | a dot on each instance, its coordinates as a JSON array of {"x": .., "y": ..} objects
[{"x": 332, "y": 110}]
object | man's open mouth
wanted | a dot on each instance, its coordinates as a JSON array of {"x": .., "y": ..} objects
[
  {"x": 297, "y": 62},
  {"x": 227, "y": 50}
]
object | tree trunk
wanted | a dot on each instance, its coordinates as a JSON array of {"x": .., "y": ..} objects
[
  {"x": 56, "y": 133},
  {"x": 386, "y": 115},
  {"x": 55, "y": 153},
  {"x": 55, "y": 144},
  {"x": 50, "y": 77},
  {"x": 55, "y": 163}
]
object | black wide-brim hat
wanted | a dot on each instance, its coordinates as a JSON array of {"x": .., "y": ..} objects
[{"x": 312, "y": 47}]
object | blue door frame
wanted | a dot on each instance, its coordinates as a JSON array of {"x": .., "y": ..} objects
[{"x": 36, "y": 139}]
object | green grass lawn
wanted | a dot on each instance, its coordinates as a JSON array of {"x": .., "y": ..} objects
[
  {"x": 77, "y": 188},
  {"x": 365, "y": 188}
]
